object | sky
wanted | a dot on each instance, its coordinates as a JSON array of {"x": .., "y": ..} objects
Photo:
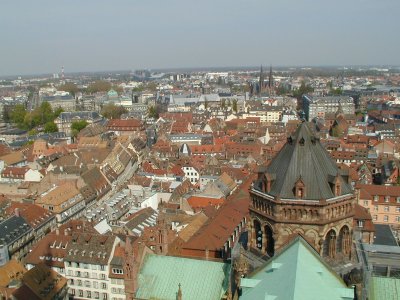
[{"x": 41, "y": 36}]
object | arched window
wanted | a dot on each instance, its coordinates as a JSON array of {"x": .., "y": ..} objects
[
  {"x": 344, "y": 241},
  {"x": 329, "y": 249},
  {"x": 269, "y": 243}
]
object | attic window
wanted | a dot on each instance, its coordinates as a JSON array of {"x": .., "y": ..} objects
[
  {"x": 299, "y": 189},
  {"x": 338, "y": 189},
  {"x": 313, "y": 140}
]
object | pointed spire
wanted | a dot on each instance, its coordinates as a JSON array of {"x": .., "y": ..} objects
[
  {"x": 270, "y": 78},
  {"x": 267, "y": 137},
  {"x": 261, "y": 80}
]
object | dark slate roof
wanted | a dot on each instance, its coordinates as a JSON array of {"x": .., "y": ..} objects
[
  {"x": 53, "y": 98},
  {"x": 84, "y": 115},
  {"x": 309, "y": 162},
  {"x": 384, "y": 235},
  {"x": 13, "y": 229}
]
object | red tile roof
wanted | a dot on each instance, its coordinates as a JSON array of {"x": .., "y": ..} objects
[
  {"x": 216, "y": 232},
  {"x": 124, "y": 125},
  {"x": 14, "y": 172},
  {"x": 196, "y": 202},
  {"x": 34, "y": 214},
  {"x": 51, "y": 246},
  {"x": 368, "y": 191}
]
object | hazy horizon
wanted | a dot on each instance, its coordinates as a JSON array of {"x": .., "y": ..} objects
[{"x": 39, "y": 37}]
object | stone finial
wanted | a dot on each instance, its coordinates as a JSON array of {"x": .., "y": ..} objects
[{"x": 179, "y": 297}]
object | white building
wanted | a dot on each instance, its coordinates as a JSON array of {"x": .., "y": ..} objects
[
  {"x": 191, "y": 173},
  {"x": 89, "y": 271}
]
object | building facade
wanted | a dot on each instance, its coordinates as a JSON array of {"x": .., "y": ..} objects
[
  {"x": 88, "y": 268},
  {"x": 382, "y": 201},
  {"x": 317, "y": 107},
  {"x": 65, "y": 119}
]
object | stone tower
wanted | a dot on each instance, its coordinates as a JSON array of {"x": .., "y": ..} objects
[{"x": 302, "y": 192}]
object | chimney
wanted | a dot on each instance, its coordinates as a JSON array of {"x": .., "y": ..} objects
[
  {"x": 65, "y": 231},
  {"x": 57, "y": 231},
  {"x": 16, "y": 212}
]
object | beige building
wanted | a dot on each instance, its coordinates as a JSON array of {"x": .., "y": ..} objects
[
  {"x": 66, "y": 102},
  {"x": 64, "y": 200},
  {"x": 270, "y": 115},
  {"x": 65, "y": 119},
  {"x": 383, "y": 202}
]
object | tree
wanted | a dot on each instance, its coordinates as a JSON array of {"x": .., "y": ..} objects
[
  {"x": 303, "y": 89},
  {"x": 18, "y": 114},
  {"x": 118, "y": 89},
  {"x": 32, "y": 132},
  {"x": 137, "y": 89},
  {"x": 223, "y": 103},
  {"x": 152, "y": 86},
  {"x": 336, "y": 92},
  {"x": 50, "y": 127},
  {"x": 78, "y": 125},
  {"x": 234, "y": 106},
  {"x": 153, "y": 112},
  {"x": 205, "y": 104},
  {"x": 99, "y": 86},
  {"x": 282, "y": 90},
  {"x": 46, "y": 112},
  {"x": 69, "y": 87},
  {"x": 111, "y": 111},
  {"x": 57, "y": 112}
]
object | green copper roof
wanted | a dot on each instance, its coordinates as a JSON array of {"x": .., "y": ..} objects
[
  {"x": 298, "y": 273},
  {"x": 112, "y": 92},
  {"x": 160, "y": 277},
  {"x": 384, "y": 288}
]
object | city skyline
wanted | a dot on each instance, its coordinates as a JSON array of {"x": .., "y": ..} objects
[{"x": 122, "y": 35}]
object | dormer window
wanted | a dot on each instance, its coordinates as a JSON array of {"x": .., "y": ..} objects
[
  {"x": 338, "y": 189},
  {"x": 335, "y": 184},
  {"x": 268, "y": 182},
  {"x": 299, "y": 189},
  {"x": 301, "y": 141}
]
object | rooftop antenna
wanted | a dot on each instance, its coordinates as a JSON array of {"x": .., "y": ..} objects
[{"x": 62, "y": 73}]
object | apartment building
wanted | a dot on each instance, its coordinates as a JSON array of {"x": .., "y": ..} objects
[
  {"x": 91, "y": 268},
  {"x": 65, "y": 119},
  {"x": 65, "y": 201},
  {"x": 382, "y": 201},
  {"x": 317, "y": 107}
]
